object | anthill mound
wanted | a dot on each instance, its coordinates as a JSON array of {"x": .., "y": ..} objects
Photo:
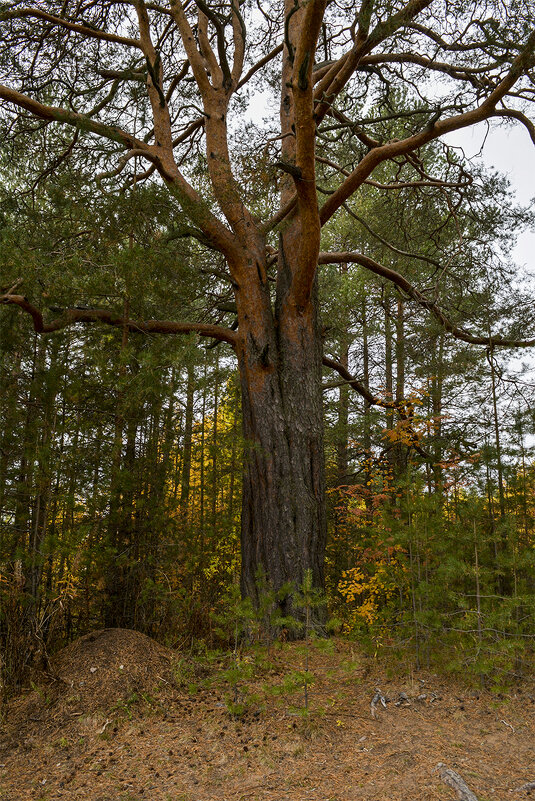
[
  {"x": 111, "y": 664},
  {"x": 98, "y": 672}
]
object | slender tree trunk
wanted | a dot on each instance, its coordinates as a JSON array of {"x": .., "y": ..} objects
[
  {"x": 503, "y": 544},
  {"x": 496, "y": 420},
  {"x": 46, "y": 395},
  {"x": 525, "y": 516},
  {"x": 342, "y": 461},
  {"x": 232, "y": 480},
  {"x": 343, "y": 408},
  {"x": 436, "y": 397},
  {"x": 367, "y": 427},
  {"x": 23, "y": 487},
  {"x": 202, "y": 487},
  {"x": 214, "y": 525},
  {"x": 367, "y": 417},
  {"x": 389, "y": 368},
  {"x": 10, "y": 414},
  {"x": 400, "y": 352},
  {"x": 343, "y": 422},
  {"x": 188, "y": 434},
  {"x": 399, "y": 452},
  {"x": 114, "y": 569}
]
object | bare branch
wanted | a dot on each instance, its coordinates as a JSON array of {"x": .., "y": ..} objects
[
  {"x": 121, "y": 164},
  {"x": 514, "y": 114},
  {"x": 415, "y": 294},
  {"x": 176, "y": 81},
  {"x": 259, "y": 64},
  {"x": 455, "y": 781},
  {"x": 92, "y": 32},
  {"x": 398, "y": 184},
  {"x": 72, "y": 316}
]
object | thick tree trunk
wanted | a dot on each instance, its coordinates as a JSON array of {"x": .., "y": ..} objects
[{"x": 283, "y": 527}]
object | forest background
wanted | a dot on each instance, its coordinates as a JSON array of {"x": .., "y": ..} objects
[{"x": 121, "y": 453}]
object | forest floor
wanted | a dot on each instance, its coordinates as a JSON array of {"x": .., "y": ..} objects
[{"x": 125, "y": 719}]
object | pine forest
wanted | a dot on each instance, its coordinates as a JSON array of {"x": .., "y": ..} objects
[{"x": 267, "y": 385}]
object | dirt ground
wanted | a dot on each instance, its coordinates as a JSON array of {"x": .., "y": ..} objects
[{"x": 126, "y": 719}]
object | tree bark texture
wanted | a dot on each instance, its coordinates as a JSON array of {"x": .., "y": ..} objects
[{"x": 283, "y": 527}]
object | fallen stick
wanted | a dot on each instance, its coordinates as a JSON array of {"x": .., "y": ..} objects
[
  {"x": 525, "y": 787},
  {"x": 452, "y": 779}
]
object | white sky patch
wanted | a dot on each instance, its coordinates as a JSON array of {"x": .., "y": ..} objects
[{"x": 510, "y": 151}]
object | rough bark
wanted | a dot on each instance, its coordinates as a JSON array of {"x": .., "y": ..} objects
[{"x": 283, "y": 509}]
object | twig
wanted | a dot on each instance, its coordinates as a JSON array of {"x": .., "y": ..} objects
[{"x": 12, "y": 288}]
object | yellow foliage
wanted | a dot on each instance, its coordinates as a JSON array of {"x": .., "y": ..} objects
[{"x": 370, "y": 592}]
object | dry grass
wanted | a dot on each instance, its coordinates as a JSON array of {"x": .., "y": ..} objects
[{"x": 158, "y": 729}]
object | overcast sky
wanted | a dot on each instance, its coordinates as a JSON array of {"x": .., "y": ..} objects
[{"x": 511, "y": 151}]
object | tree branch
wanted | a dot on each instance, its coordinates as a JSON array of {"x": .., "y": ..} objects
[
  {"x": 387, "y": 244},
  {"x": 223, "y": 66},
  {"x": 399, "y": 148},
  {"x": 240, "y": 34},
  {"x": 415, "y": 294},
  {"x": 514, "y": 114},
  {"x": 453, "y": 780},
  {"x": 341, "y": 71},
  {"x": 94, "y": 33},
  {"x": 259, "y": 64},
  {"x": 80, "y": 121},
  {"x": 215, "y": 105},
  {"x": 72, "y": 316},
  {"x": 160, "y": 111},
  {"x": 162, "y": 157},
  {"x": 373, "y": 400}
]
